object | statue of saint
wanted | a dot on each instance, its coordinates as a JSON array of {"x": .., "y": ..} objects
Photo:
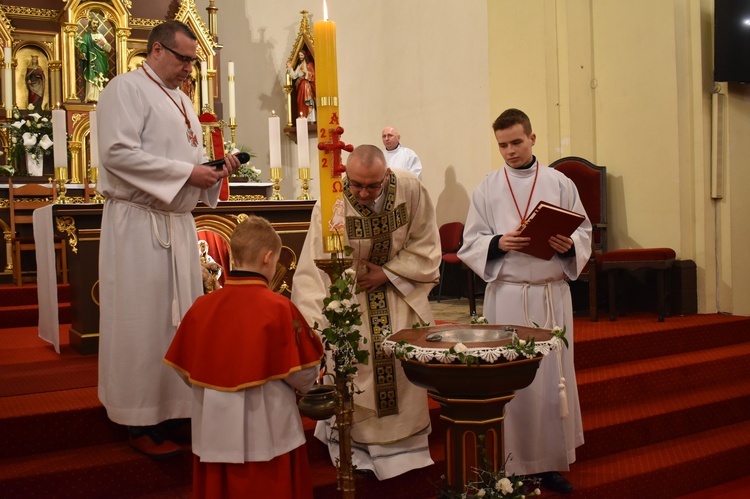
[
  {"x": 35, "y": 84},
  {"x": 304, "y": 85},
  {"x": 93, "y": 48}
]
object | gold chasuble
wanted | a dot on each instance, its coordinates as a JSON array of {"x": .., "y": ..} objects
[{"x": 378, "y": 227}]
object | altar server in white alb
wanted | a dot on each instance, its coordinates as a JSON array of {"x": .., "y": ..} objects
[
  {"x": 149, "y": 266},
  {"x": 398, "y": 156},
  {"x": 543, "y": 422},
  {"x": 389, "y": 220}
]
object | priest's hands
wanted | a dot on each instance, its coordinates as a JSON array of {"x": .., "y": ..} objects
[
  {"x": 373, "y": 278},
  {"x": 512, "y": 241}
]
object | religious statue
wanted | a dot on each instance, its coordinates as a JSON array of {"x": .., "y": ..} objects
[
  {"x": 304, "y": 85},
  {"x": 93, "y": 48},
  {"x": 35, "y": 84}
]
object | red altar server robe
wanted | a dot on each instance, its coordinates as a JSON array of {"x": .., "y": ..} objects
[{"x": 245, "y": 349}]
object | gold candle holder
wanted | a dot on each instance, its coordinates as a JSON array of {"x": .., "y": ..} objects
[
  {"x": 233, "y": 128},
  {"x": 276, "y": 179},
  {"x": 304, "y": 176},
  {"x": 61, "y": 178},
  {"x": 94, "y": 179}
]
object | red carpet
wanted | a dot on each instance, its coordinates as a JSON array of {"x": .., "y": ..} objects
[{"x": 665, "y": 409}]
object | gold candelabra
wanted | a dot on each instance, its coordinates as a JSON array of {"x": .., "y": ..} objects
[
  {"x": 276, "y": 179},
  {"x": 304, "y": 176},
  {"x": 61, "y": 178}
]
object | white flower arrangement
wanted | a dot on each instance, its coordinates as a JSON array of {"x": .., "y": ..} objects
[
  {"x": 494, "y": 484},
  {"x": 246, "y": 169},
  {"x": 462, "y": 354},
  {"x": 342, "y": 336},
  {"x": 31, "y": 135}
]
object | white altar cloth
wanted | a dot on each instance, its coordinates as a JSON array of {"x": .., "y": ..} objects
[{"x": 46, "y": 276}]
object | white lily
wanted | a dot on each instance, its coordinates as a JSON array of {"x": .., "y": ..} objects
[
  {"x": 29, "y": 139},
  {"x": 45, "y": 142}
]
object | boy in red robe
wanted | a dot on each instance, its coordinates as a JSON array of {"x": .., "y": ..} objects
[{"x": 244, "y": 349}]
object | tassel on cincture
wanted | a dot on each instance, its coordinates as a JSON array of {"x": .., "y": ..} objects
[{"x": 563, "y": 399}]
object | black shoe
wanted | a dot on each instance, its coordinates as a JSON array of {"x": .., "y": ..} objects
[{"x": 555, "y": 482}]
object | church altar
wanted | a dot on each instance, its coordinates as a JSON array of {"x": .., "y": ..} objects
[{"x": 80, "y": 224}]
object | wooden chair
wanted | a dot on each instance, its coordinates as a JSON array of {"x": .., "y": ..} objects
[
  {"x": 22, "y": 201},
  {"x": 451, "y": 237},
  {"x": 591, "y": 182}
]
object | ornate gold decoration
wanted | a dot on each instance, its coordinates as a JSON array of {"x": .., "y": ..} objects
[
  {"x": 76, "y": 117},
  {"x": 30, "y": 13},
  {"x": 247, "y": 197},
  {"x": 141, "y": 23},
  {"x": 4, "y": 203},
  {"x": 67, "y": 225}
]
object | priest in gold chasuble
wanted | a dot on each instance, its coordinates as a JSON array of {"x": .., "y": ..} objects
[{"x": 390, "y": 223}]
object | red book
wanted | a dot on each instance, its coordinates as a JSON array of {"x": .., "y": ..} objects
[{"x": 544, "y": 222}]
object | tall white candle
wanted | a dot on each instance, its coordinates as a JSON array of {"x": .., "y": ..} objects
[
  {"x": 8, "y": 82},
  {"x": 204, "y": 84},
  {"x": 274, "y": 140},
  {"x": 60, "y": 138},
  {"x": 230, "y": 75},
  {"x": 93, "y": 140},
  {"x": 303, "y": 143}
]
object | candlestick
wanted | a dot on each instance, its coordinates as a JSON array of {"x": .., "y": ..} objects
[
  {"x": 94, "y": 160},
  {"x": 60, "y": 138},
  {"x": 274, "y": 139},
  {"x": 276, "y": 178},
  {"x": 304, "y": 177},
  {"x": 93, "y": 141},
  {"x": 230, "y": 75},
  {"x": 8, "y": 81},
  {"x": 204, "y": 85},
  {"x": 303, "y": 143}
]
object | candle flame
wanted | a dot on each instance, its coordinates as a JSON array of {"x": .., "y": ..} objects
[{"x": 325, "y": 10}]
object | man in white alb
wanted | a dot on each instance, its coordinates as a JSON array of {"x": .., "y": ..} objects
[
  {"x": 398, "y": 156},
  {"x": 149, "y": 267},
  {"x": 543, "y": 422}
]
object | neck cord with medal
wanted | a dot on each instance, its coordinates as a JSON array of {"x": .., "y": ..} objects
[
  {"x": 192, "y": 138},
  {"x": 531, "y": 194}
]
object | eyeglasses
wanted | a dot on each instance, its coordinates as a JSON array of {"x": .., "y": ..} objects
[
  {"x": 182, "y": 58},
  {"x": 368, "y": 187}
]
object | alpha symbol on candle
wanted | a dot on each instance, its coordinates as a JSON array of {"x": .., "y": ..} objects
[
  {"x": 334, "y": 119},
  {"x": 335, "y": 146}
]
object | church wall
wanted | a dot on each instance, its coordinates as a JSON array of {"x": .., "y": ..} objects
[
  {"x": 421, "y": 66},
  {"x": 628, "y": 85},
  {"x": 625, "y": 84}
]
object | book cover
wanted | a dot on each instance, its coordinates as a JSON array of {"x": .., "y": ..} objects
[{"x": 544, "y": 222}]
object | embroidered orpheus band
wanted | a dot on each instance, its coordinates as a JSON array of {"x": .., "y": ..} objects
[{"x": 378, "y": 228}]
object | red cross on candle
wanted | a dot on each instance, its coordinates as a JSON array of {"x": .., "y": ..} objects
[{"x": 335, "y": 146}]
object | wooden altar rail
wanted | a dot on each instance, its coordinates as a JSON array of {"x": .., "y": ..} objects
[{"x": 80, "y": 225}]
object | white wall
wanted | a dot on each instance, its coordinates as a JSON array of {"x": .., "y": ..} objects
[
  {"x": 420, "y": 65},
  {"x": 625, "y": 84}
]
